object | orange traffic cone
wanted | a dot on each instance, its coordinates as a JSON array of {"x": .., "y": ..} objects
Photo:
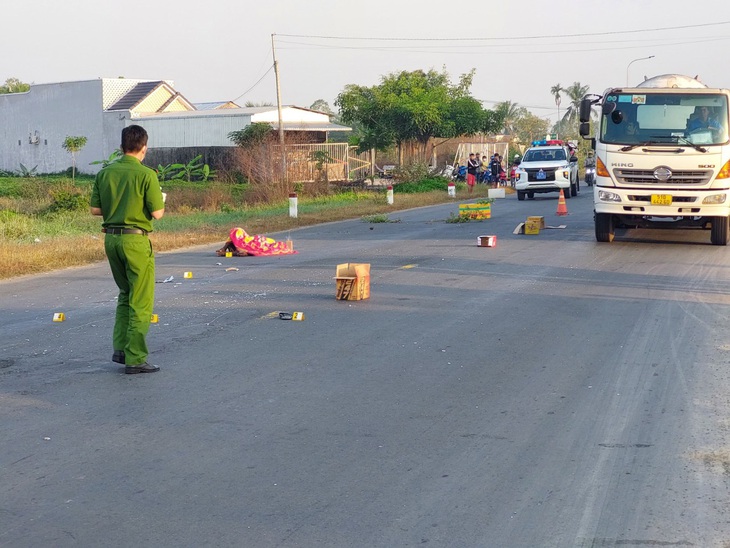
[{"x": 562, "y": 207}]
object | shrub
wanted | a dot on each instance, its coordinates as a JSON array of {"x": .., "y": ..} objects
[
  {"x": 412, "y": 172},
  {"x": 423, "y": 185},
  {"x": 68, "y": 199}
]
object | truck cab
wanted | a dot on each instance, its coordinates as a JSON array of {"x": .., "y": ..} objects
[{"x": 662, "y": 157}]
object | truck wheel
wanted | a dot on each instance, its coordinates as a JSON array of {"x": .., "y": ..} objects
[
  {"x": 531, "y": 195},
  {"x": 720, "y": 230},
  {"x": 604, "y": 227},
  {"x": 567, "y": 193},
  {"x": 520, "y": 195},
  {"x": 577, "y": 185}
]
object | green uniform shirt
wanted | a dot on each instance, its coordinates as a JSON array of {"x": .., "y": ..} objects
[{"x": 126, "y": 191}]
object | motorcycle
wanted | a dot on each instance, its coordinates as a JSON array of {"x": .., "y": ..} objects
[{"x": 590, "y": 175}]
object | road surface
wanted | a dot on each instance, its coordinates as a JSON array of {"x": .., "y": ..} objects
[{"x": 551, "y": 391}]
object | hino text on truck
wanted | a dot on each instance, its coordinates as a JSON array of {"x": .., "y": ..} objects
[{"x": 662, "y": 157}]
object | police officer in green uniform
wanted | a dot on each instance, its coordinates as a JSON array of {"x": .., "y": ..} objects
[{"x": 128, "y": 196}]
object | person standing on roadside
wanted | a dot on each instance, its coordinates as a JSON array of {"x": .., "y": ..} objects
[
  {"x": 472, "y": 168},
  {"x": 127, "y": 196},
  {"x": 495, "y": 167}
]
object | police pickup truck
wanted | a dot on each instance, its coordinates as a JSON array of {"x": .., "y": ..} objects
[{"x": 547, "y": 166}]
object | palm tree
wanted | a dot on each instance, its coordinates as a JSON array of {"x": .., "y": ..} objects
[
  {"x": 556, "y": 90},
  {"x": 510, "y": 113},
  {"x": 575, "y": 93}
]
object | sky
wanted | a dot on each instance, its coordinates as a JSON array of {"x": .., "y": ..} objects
[{"x": 222, "y": 50}]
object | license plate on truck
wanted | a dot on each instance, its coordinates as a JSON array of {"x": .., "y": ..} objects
[{"x": 661, "y": 199}]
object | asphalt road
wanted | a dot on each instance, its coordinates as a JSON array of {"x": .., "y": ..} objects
[{"x": 550, "y": 391}]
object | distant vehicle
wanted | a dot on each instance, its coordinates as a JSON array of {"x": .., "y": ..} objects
[
  {"x": 662, "y": 157},
  {"x": 590, "y": 175},
  {"x": 547, "y": 166}
]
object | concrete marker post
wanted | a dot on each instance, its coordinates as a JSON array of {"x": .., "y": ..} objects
[
  {"x": 293, "y": 205},
  {"x": 390, "y": 194}
]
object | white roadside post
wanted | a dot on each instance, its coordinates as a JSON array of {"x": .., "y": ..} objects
[
  {"x": 452, "y": 190},
  {"x": 390, "y": 194},
  {"x": 293, "y": 205}
]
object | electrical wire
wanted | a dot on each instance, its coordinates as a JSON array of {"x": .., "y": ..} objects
[
  {"x": 256, "y": 84},
  {"x": 406, "y": 49},
  {"x": 509, "y": 38}
]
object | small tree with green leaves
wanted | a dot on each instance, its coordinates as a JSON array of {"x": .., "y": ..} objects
[
  {"x": 252, "y": 135},
  {"x": 73, "y": 145}
]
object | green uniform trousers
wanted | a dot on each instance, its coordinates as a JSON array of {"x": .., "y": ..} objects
[{"x": 132, "y": 262}]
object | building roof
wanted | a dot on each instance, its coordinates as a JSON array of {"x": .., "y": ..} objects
[
  {"x": 215, "y": 105},
  {"x": 136, "y": 95},
  {"x": 248, "y": 113}
]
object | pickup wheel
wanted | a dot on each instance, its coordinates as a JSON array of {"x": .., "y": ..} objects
[
  {"x": 577, "y": 184},
  {"x": 567, "y": 192},
  {"x": 604, "y": 227},
  {"x": 720, "y": 230},
  {"x": 520, "y": 195}
]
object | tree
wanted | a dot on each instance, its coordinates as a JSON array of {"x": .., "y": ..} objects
[
  {"x": 556, "y": 90},
  {"x": 413, "y": 106},
  {"x": 13, "y": 85},
  {"x": 73, "y": 145},
  {"x": 322, "y": 106},
  {"x": 252, "y": 135},
  {"x": 262, "y": 104},
  {"x": 575, "y": 94},
  {"x": 530, "y": 128},
  {"x": 510, "y": 113}
]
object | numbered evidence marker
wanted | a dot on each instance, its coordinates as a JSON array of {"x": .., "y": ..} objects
[
  {"x": 155, "y": 318},
  {"x": 59, "y": 317},
  {"x": 188, "y": 275},
  {"x": 298, "y": 316}
]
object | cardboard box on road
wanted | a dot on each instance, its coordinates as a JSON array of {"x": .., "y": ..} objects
[
  {"x": 353, "y": 281},
  {"x": 532, "y": 226},
  {"x": 486, "y": 241}
]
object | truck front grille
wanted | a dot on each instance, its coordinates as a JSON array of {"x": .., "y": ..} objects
[{"x": 646, "y": 177}]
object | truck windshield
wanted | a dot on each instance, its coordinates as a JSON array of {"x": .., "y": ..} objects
[{"x": 659, "y": 118}]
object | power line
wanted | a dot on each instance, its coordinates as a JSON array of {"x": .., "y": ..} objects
[
  {"x": 407, "y": 49},
  {"x": 509, "y": 38},
  {"x": 256, "y": 84}
]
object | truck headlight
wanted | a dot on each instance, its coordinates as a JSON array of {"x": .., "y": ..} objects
[
  {"x": 715, "y": 199},
  {"x": 606, "y": 196},
  {"x": 566, "y": 174}
]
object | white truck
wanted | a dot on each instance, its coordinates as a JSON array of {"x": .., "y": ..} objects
[{"x": 662, "y": 157}]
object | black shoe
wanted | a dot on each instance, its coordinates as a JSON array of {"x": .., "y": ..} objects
[
  {"x": 142, "y": 368},
  {"x": 118, "y": 356}
]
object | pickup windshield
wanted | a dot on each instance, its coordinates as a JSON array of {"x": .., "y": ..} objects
[
  {"x": 544, "y": 155},
  {"x": 664, "y": 118}
]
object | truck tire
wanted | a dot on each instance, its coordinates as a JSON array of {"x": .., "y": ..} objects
[
  {"x": 604, "y": 227},
  {"x": 520, "y": 195},
  {"x": 720, "y": 231},
  {"x": 577, "y": 185},
  {"x": 531, "y": 195},
  {"x": 567, "y": 192}
]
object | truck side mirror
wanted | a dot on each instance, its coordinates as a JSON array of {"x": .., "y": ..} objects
[
  {"x": 585, "y": 110},
  {"x": 585, "y": 129}
]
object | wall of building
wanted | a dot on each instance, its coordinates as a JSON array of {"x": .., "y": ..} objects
[
  {"x": 191, "y": 131},
  {"x": 33, "y": 126}
]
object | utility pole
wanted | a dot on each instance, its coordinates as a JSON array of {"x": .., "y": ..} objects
[{"x": 278, "y": 108}]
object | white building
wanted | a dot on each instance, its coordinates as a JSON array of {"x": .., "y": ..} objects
[{"x": 34, "y": 124}]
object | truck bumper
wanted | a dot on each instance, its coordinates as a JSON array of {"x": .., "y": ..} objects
[{"x": 682, "y": 203}]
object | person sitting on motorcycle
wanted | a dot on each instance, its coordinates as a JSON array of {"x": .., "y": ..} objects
[{"x": 590, "y": 160}]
